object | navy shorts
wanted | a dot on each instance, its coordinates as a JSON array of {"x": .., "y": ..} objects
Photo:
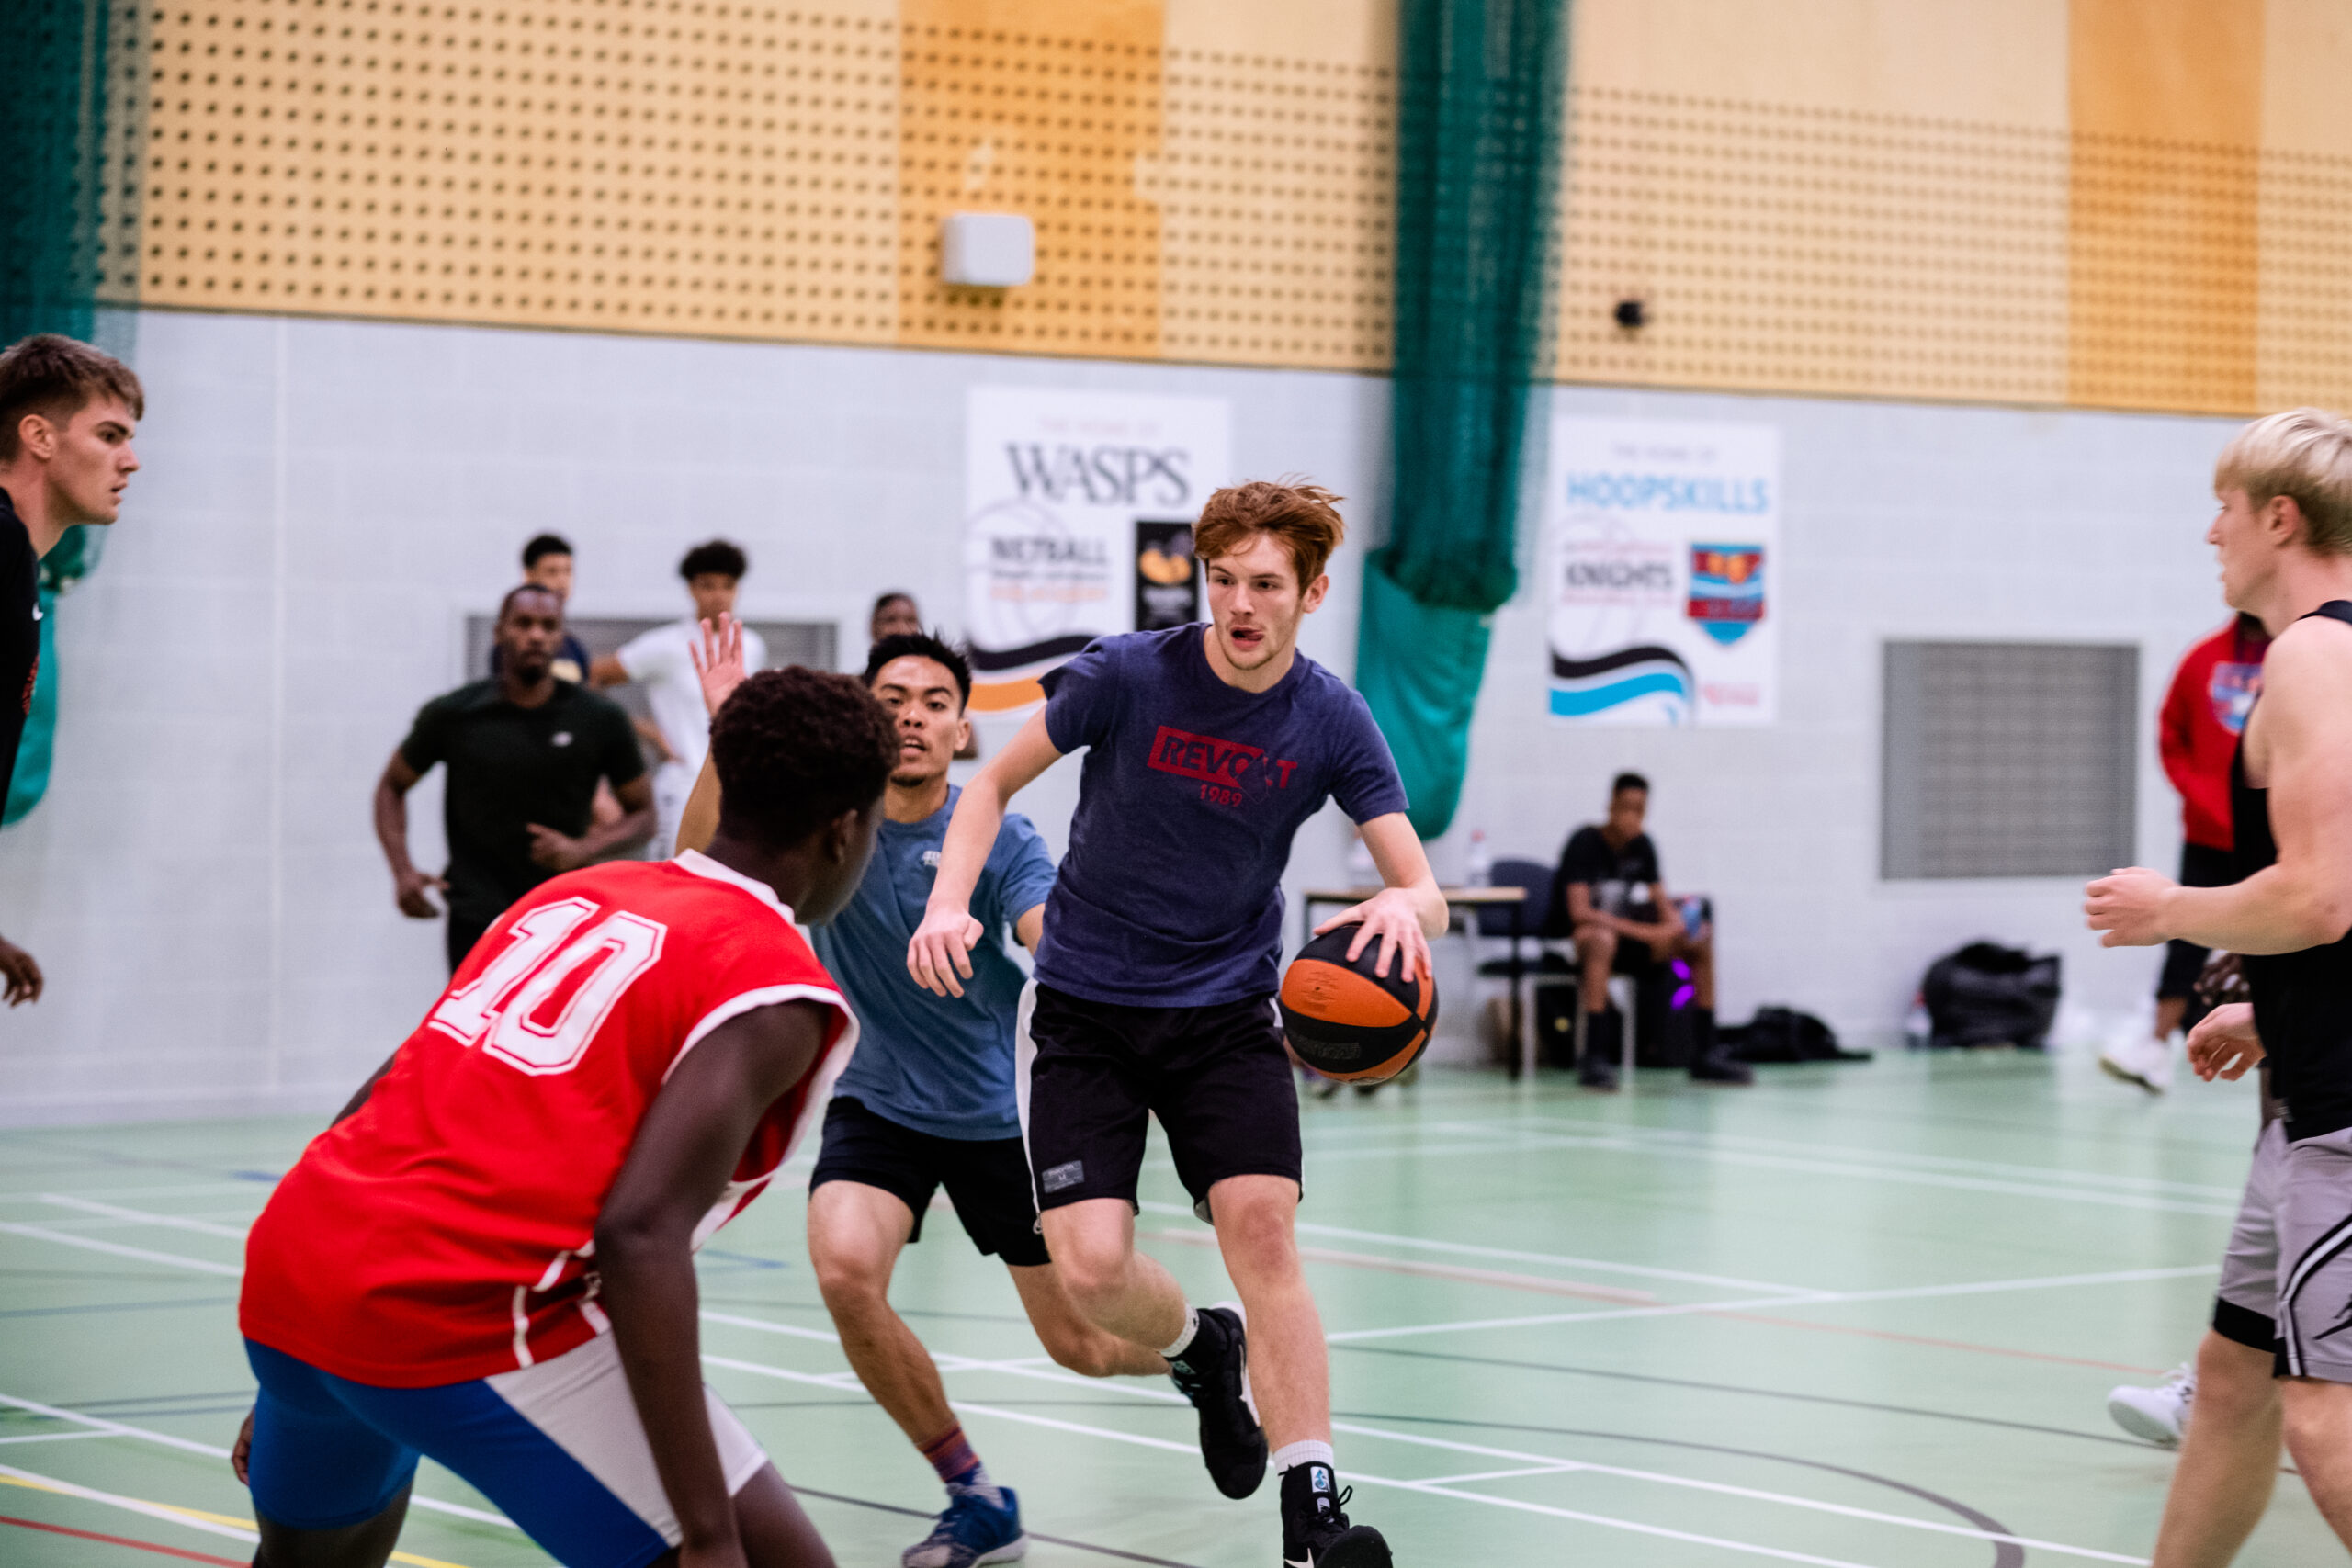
[
  {"x": 986, "y": 1178},
  {"x": 556, "y": 1446}
]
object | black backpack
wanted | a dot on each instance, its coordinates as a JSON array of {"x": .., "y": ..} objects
[
  {"x": 1989, "y": 995},
  {"x": 1784, "y": 1034}
]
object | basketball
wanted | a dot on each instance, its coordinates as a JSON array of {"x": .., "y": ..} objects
[{"x": 1347, "y": 1023}]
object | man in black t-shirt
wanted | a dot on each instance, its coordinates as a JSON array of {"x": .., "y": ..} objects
[
  {"x": 1609, "y": 893},
  {"x": 525, "y": 753},
  {"x": 67, "y": 413}
]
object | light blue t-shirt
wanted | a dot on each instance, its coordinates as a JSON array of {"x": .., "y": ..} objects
[{"x": 939, "y": 1064}]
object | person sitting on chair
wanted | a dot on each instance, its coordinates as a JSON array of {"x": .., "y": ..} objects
[{"x": 1623, "y": 923}]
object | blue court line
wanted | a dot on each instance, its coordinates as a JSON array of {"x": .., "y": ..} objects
[{"x": 121, "y": 1306}]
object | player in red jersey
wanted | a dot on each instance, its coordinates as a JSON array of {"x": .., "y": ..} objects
[{"x": 487, "y": 1259}]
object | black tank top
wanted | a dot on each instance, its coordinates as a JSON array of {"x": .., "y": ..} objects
[{"x": 2303, "y": 1001}]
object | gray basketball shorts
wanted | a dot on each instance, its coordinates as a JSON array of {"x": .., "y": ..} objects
[{"x": 2287, "y": 1274}]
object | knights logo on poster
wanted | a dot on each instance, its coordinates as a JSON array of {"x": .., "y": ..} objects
[
  {"x": 1078, "y": 524},
  {"x": 1660, "y": 542},
  {"x": 1727, "y": 590}
]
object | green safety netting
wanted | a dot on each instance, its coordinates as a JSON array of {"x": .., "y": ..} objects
[
  {"x": 1481, "y": 97},
  {"x": 59, "y": 148}
]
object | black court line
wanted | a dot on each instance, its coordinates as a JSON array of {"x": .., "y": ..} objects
[
  {"x": 120, "y": 1306},
  {"x": 1738, "y": 1388},
  {"x": 2005, "y": 1554},
  {"x": 1033, "y": 1535}
]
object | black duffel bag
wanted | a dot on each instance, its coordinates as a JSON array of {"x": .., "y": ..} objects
[
  {"x": 1784, "y": 1034},
  {"x": 1989, "y": 995}
]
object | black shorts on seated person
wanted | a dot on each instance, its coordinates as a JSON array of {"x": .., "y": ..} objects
[
  {"x": 1217, "y": 1077},
  {"x": 986, "y": 1178}
]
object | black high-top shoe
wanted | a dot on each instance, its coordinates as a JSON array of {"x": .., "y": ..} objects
[
  {"x": 1213, "y": 1373},
  {"x": 1315, "y": 1533}
]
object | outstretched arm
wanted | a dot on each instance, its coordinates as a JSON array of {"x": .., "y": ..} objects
[
  {"x": 942, "y": 948},
  {"x": 686, "y": 1152},
  {"x": 1405, "y": 913}
]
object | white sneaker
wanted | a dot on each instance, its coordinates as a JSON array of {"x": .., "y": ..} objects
[
  {"x": 2145, "y": 1062},
  {"x": 2158, "y": 1415}
]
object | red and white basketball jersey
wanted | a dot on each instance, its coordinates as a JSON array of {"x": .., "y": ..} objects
[{"x": 442, "y": 1232}]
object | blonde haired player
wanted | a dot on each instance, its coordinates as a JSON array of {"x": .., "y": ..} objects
[{"x": 2278, "y": 1358}]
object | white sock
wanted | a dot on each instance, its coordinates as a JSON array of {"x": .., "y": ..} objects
[
  {"x": 1290, "y": 1456},
  {"x": 1175, "y": 1347}
]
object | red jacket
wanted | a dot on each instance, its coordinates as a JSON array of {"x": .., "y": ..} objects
[{"x": 2198, "y": 733}]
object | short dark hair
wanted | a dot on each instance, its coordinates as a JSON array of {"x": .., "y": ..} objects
[
  {"x": 521, "y": 588},
  {"x": 920, "y": 645},
  {"x": 793, "y": 750},
  {"x": 1624, "y": 782},
  {"x": 543, "y": 546},
  {"x": 57, "y": 378},
  {"x": 717, "y": 556},
  {"x": 884, "y": 600}
]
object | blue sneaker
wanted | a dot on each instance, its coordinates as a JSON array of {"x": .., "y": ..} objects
[{"x": 971, "y": 1532}]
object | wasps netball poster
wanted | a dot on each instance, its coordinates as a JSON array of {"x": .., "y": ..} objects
[
  {"x": 1079, "y": 508},
  {"x": 1663, "y": 554}
]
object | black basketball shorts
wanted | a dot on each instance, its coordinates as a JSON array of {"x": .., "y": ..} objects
[
  {"x": 1217, "y": 1077},
  {"x": 986, "y": 1178}
]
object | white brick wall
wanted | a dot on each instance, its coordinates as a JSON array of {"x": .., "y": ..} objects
[{"x": 205, "y": 893}]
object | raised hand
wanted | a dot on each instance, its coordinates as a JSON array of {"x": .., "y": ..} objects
[
  {"x": 942, "y": 950},
  {"x": 718, "y": 660}
]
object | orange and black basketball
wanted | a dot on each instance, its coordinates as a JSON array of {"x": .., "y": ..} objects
[{"x": 1349, "y": 1023}]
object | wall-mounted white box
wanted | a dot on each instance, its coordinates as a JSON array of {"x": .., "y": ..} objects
[{"x": 989, "y": 250}]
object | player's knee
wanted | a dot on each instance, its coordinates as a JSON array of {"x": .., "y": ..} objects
[
  {"x": 1088, "y": 1354},
  {"x": 2233, "y": 1381},
  {"x": 1596, "y": 942},
  {"x": 1257, "y": 1238},
  {"x": 1092, "y": 1269},
  {"x": 849, "y": 1277}
]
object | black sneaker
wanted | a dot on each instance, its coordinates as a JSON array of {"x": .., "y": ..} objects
[
  {"x": 1315, "y": 1533},
  {"x": 1596, "y": 1067},
  {"x": 1213, "y": 1373},
  {"x": 1718, "y": 1066}
]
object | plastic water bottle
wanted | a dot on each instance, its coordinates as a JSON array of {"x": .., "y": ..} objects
[
  {"x": 1917, "y": 1028},
  {"x": 1477, "y": 867}
]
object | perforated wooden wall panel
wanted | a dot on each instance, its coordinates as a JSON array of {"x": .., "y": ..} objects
[
  {"x": 1058, "y": 125},
  {"x": 1278, "y": 192},
  {"x": 763, "y": 169},
  {"x": 1813, "y": 251},
  {"x": 2303, "y": 334},
  {"x": 708, "y": 168}
]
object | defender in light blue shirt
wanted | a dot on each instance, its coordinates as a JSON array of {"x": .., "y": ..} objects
[{"x": 927, "y": 1100}]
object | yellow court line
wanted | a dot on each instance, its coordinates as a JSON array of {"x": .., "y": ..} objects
[{"x": 147, "y": 1506}]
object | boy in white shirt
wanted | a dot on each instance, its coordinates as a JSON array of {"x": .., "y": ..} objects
[{"x": 681, "y": 729}]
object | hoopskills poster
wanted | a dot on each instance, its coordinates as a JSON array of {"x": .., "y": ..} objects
[
  {"x": 1078, "y": 524},
  {"x": 1662, "y": 552}
]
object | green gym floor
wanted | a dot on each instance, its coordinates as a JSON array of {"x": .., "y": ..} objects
[{"x": 1863, "y": 1314}]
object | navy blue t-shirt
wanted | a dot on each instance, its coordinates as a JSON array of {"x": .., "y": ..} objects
[
  {"x": 939, "y": 1064},
  {"x": 1170, "y": 892}
]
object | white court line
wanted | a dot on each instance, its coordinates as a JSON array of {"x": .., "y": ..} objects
[
  {"x": 1626, "y": 1143},
  {"x": 1502, "y": 1475},
  {"x": 105, "y": 1428},
  {"x": 1467, "y": 1250},
  {"x": 1816, "y": 1298},
  {"x": 191, "y": 1188},
  {"x": 141, "y": 1217},
  {"x": 57, "y": 1437},
  {"x": 42, "y": 1233},
  {"x": 137, "y": 1506},
  {"x": 1542, "y": 1463},
  {"x": 1895, "y": 1159}
]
